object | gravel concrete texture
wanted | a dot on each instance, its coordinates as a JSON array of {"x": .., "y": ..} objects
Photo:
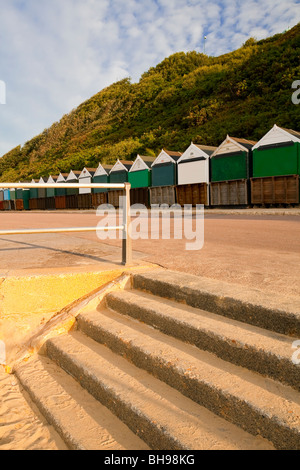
[
  {"x": 256, "y": 404},
  {"x": 160, "y": 415},
  {"x": 65, "y": 404},
  {"x": 232, "y": 300},
  {"x": 257, "y": 250},
  {"x": 263, "y": 351},
  {"x": 261, "y": 250}
]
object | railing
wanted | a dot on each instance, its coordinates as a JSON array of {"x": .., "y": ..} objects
[{"x": 126, "y": 239}]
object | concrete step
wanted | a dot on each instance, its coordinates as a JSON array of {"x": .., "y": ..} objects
[
  {"x": 262, "y": 351},
  {"x": 257, "y": 404},
  {"x": 249, "y": 306},
  {"x": 161, "y": 416},
  {"x": 82, "y": 422}
]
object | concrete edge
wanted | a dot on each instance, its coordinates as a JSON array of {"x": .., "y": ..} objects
[
  {"x": 256, "y": 308},
  {"x": 64, "y": 321}
]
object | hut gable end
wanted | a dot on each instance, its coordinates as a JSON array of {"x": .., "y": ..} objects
[
  {"x": 139, "y": 165},
  {"x": 230, "y": 145},
  {"x": 119, "y": 166},
  {"x": 73, "y": 176},
  {"x": 277, "y": 135},
  {"x": 193, "y": 152},
  {"x": 100, "y": 171},
  {"x": 166, "y": 157}
]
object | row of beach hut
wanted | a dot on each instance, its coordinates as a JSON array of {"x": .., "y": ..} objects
[{"x": 237, "y": 173}]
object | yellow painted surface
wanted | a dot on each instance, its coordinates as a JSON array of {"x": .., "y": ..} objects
[
  {"x": 29, "y": 301},
  {"x": 46, "y": 294}
]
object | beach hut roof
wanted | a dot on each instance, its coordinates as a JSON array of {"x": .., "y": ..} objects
[
  {"x": 142, "y": 162},
  {"x": 196, "y": 151},
  {"x": 166, "y": 156},
  {"x": 52, "y": 179},
  {"x": 73, "y": 175},
  {"x": 121, "y": 165},
  {"x": 87, "y": 172},
  {"x": 232, "y": 143},
  {"x": 278, "y": 135}
]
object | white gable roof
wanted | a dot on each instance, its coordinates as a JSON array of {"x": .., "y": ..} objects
[
  {"x": 276, "y": 135},
  {"x": 85, "y": 174},
  {"x": 61, "y": 178},
  {"x": 51, "y": 180},
  {"x": 163, "y": 157},
  {"x": 139, "y": 165},
  {"x": 100, "y": 171},
  {"x": 118, "y": 166},
  {"x": 72, "y": 176},
  {"x": 228, "y": 145},
  {"x": 193, "y": 151}
]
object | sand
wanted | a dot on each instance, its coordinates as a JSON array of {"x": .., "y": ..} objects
[
  {"x": 21, "y": 426},
  {"x": 261, "y": 252}
]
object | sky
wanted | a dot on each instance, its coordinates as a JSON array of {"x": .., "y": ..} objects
[{"x": 55, "y": 54}]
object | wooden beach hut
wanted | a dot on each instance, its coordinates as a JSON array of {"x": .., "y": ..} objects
[
  {"x": 1, "y": 199},
  {"x": 276, "y": 167},
  {"x": 85, "y": 194},
  {"x": 118, "y": 174},
  {"x": 60, "y": 193},
  {"x": 33, "y": 196},
  {"x": 50, "y": 193},
  {"x": 139, "y": 177},
  {"x": 72, "y": 193},
  {"x": 42, "y": 194},
  {"x": 230, "y": 172},
  {"x": 193, "y": 175},
  {"x": 164, "y": 178},
  {"x": 101, "y": 175}
]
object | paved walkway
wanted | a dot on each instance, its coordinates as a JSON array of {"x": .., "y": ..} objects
[
  {"x": 254, "y": 249},
  {"x": 260, "y": 250}
]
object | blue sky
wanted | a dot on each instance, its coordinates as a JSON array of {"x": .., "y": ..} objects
[{"x": 54, "y": 54}]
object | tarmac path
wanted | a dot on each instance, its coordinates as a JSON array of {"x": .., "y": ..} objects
[{"x": 255, "y": 251}]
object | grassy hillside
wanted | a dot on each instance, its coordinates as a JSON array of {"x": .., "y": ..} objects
[{"x": 188, "y": 96}]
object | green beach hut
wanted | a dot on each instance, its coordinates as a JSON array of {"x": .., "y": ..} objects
[
  {"x": 139, "y": 177},
  {"x": 164, "y": 168},
  {"x": 50, "y": 193},
  {"x": 72, "y": 193},
  {"x": 60, "y": 193},
  {"x": 101, "y": 176},
  {"x": 118, "y": 174},
  {"x": 33, "y": 196},
  {"x": 230, "y": 170},
  {"x": 276, "y": 167},
  {"x": 164, "y": 178}
]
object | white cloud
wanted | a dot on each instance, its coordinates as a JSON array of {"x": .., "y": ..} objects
[{"x": 54, "y": 54}]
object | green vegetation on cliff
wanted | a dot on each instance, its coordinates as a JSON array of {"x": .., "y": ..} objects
[{"x": 188, "y": 96}]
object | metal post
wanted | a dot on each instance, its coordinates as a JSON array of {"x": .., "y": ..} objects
[
  {"x": 125, "y": 227},
  {"x": 126, "y": 239}
]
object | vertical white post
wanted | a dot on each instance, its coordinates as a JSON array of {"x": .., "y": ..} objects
[{"x": 126, "y": 239}]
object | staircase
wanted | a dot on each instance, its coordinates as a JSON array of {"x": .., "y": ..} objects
[{"x": 170, "y": 365}]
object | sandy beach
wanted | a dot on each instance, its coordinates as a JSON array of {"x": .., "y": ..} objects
[
  {"x": 22, "y": 427},
  {"x": 261, "y": 252}
]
